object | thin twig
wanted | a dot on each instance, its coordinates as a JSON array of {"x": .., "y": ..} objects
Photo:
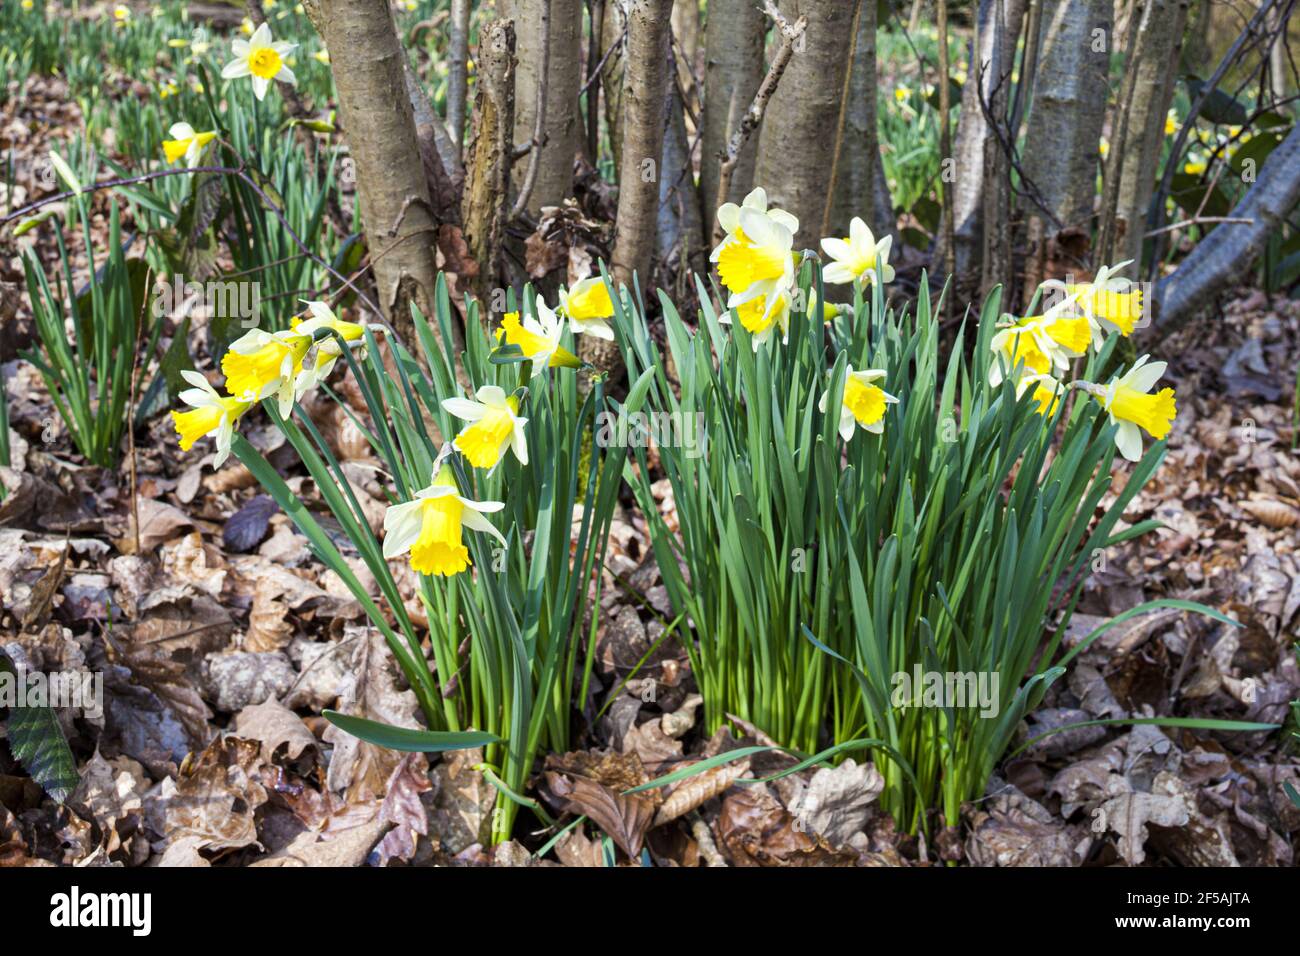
[
  {"x": 1196, "y": 221},
  {"x": 754, "y": 115}
]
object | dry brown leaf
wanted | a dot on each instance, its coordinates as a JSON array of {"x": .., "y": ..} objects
[
  {"x": 624, "y": 818},
  {"x": 1275, "y": 514},
  {"x": 403, "y": 808},
  {"x": 700, "y": 789}
]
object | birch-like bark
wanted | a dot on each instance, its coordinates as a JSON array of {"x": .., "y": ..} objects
[
  {"x": 1226, "y": 254},
  {"x": 733, "y": 68},
  {"x": 854, "y": 190},
  {"x": 973, "y": 130},
  {"x": 563, "y": 126},
  {"x": 1157, "y": 36},
  {"x": 796, "y": 146},
  {"x": 487, "y": 185},
  {"x": 1063, "y": 130},
  {"x": 368, "y": 65}
]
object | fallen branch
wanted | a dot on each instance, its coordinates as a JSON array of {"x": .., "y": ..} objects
[{"x": 1227, "y": 253}]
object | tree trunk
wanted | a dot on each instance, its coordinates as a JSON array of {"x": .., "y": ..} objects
[
  {"x": 1227, "y": 253},
  {"x": 1065, "y": 119},
  {"x": 795, "y": 152},
  {"x": 368, "y": 66},
  {"x": 733, "y": 68},
  {"x": 563, "y": 126},
  {"x": 1157, "y": 36},
  {"x": 680, "y": 243},
  {"x": 645, "y": 91},
  {"x": 487, "y": 189},
  {"x": 686, "y": 31},
  {"x": 967, "y": 167},
  {"x": 613, "y": 35},
  {"x": 457, "y": 67},
  {"x": 858, "y": 170},
  {"x": 996, "y": 254}
]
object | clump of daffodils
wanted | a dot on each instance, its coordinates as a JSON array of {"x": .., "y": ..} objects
[
  {"x": 757, "y": 266},
  {"x": 1037, "y": 353},
  {"x": 284, "y": 365}
]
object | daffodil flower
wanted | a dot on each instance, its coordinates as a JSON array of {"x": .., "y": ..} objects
[
  {"x": 328, "y": 350},
  {"x": 210, "y": 413},
  {"x": 27, "y": 4},
  {"x": 1133, "y": 408},
  {"x": 864, "y": 402},
  {"x": 729, "y": 219},
  {"x": 757, "y": 262},
  {"x": 186, "y": 144},
  {"x": 856, "y": 257},
  {"x": 588, "y": 307},
  {"x": 121, "y": 13},
  {"x": 538, "y": 337},
  {"x": 261, "y": 58},
  {"x": 1041, "y": 342},
  {"x": 322, "y": 56},
  {"x": 1171, "y": 123},
  {"x": 1109, "y": 301},
  {"x": 494, "y": 426},
  {"x": 1047, "y": 392},
  {"x": 762, "y": 317},
  {"x": 430, "y": 526},
  {"x": 742, "y": 259},
  {"x": 901, "y": 93},
  {"x": 261, "y": 364},
  {"x": 826, "y": 311}
]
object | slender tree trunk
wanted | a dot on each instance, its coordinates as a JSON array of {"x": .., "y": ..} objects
[
  {"x": 563, "y": 126},
  {"x": 487, "y": 188},
  {"x": 680, "y": 243},
  {"x": 457, "y": 68},
  {"x": 613, "y": 38},
  {"x": 645, "y": 90},
  {"x": 1156, "y": 38},
  {"x": 686, "y": 32},
  {"x": 858, "y": 169},
  {"x": 1227, "y": 253},
  {"x": 795, "y": 154},
  {"x": 733, "y": 68},
  {"x": 377, "y": 116},
  {"x": 1065, "y": 120},
  {"x": 996, "y": 264},
  {"x": 967, "y": 167}
]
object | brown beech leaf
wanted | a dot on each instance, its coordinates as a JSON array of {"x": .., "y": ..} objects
[
  {"x": 756, "y": 830},
  {"x": 1271, "y": 512},
  {"x": 403, "y": 808},
  {"x": 700, "y": 789},
  {"x": 624, "y": 818},
  {"x": 214, "y": 798}
]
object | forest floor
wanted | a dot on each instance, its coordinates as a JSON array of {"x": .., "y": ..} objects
[{"x": 220, "y": 640}]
